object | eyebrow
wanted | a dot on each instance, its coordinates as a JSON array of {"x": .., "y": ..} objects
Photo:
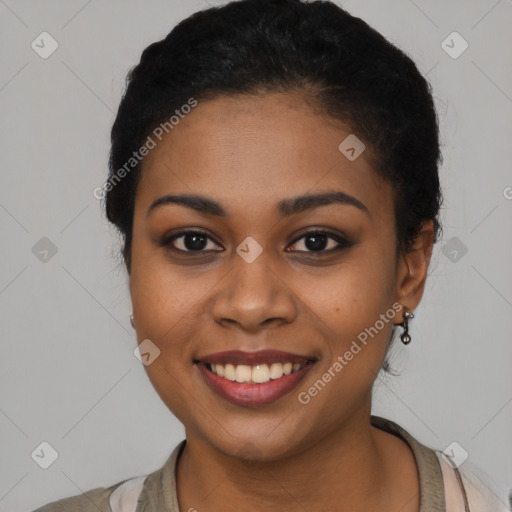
[{"x": 285, "y": 208}]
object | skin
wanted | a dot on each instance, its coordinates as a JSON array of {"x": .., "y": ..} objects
[{"x": 248, "y": 153}]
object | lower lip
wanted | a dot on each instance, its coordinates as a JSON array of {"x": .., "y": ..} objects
[{"x": 253, "y": 395}]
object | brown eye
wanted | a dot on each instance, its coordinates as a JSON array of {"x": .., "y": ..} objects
[
  {"x": 321, "y": 242},
  {"x": 190, "y": 241}
]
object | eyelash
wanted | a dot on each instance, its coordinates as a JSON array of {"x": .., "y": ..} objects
[{"x": 343, "y": 242}]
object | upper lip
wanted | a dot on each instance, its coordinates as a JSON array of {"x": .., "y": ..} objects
[{"x": 236, "y": 357}]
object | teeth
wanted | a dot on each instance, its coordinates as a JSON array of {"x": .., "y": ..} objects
[
  {"x": 261, "y": 373},
  {"x": 229, "y": 372},
  {"x": 258, "y": 374},
  {"x": 276, "y": 371},
  {"x": 243, "y": 373}
]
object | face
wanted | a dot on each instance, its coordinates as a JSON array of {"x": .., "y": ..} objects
[{"x": 234, "y": 293}]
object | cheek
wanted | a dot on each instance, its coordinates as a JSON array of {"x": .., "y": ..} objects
[
  {"x": 167, "y": 305},
  {"x": 164, "y": 296},
  {"x": 351, "y": 294},
  {"x": 350, "y": 302}
]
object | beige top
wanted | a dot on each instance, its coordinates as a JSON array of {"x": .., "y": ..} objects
[{"x": 440, "y": 489}]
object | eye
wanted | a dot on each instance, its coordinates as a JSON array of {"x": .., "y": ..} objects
[
  {"x": 316, "y": 240},
  {"x": 189, "y": 241}
]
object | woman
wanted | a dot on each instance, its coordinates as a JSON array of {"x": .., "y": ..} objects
[{"x": 274, "y": 174}]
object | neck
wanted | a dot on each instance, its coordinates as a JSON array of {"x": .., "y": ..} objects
[{"x": 344, "y": 471}]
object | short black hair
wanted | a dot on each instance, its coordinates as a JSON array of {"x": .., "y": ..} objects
[{"x": 341, "y": 65}]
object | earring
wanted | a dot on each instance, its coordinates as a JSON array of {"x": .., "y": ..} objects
[
  {"x": 131, "y": 321},
  {"x": 405, "y": 336}
]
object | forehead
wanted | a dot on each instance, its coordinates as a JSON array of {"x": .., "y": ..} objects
[{"x": 250, "y": 150}]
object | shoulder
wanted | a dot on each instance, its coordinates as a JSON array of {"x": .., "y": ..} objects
[
  {"x": 441, "y": 488},
  {"x": 483, "y": 495},
  {"x": 101, "y": 499},
  {"x": 127, "y": 494},
  {"x": 94, "y": 500}
]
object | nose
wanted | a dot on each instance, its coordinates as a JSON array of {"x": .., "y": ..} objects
[{"x": 254, "y": 297}]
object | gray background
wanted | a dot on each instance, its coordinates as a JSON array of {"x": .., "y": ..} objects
[{"x": 68, "y": 374}]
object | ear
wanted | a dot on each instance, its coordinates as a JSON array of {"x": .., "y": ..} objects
[{"x": 412, "y": 269}]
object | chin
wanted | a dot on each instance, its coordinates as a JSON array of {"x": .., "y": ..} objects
[{"x": 260, "y": 441}]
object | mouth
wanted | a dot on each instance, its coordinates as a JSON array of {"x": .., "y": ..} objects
[{"x": 253, "y": 378}]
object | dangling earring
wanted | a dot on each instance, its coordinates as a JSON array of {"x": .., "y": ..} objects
[
  {"x": 131, "y": 321},
  {"x": 405, "y": 336}
]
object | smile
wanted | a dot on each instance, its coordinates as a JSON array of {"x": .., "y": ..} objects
[
  {"x": 253, "y": 379},
  {"x": 258, "y": 374}
]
